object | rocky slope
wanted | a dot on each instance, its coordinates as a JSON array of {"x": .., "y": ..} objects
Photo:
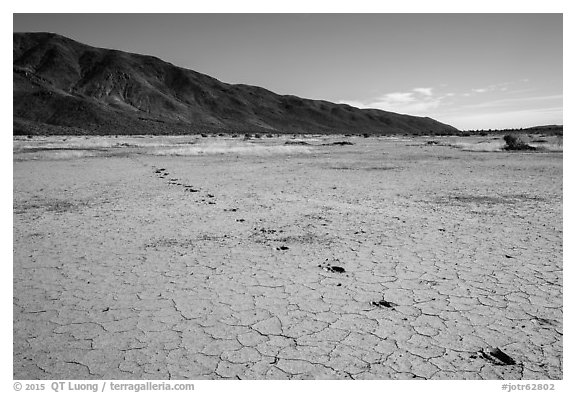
[{"x": 64, "y": 87}]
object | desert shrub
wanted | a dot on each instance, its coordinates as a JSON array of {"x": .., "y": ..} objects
[{"x": 515, "y": 143}]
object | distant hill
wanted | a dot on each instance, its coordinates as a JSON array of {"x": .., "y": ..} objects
[
  {"x": 550, "y": 129},
  {"x": 64, "y": 87}
]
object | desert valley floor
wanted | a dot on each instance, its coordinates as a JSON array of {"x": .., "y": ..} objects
[{"x": 209, "y": 258}]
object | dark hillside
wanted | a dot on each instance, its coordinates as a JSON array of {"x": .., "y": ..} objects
[{"x": 63, "y": 86}]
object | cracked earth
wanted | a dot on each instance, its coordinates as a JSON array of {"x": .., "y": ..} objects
[{"x": 386, "y": 259}]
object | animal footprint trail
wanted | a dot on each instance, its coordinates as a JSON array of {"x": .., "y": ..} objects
[
  {"x": 209, "y": 198},
  {"x": 163, "y": 174}
]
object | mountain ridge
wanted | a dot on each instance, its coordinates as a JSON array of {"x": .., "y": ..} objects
[{"x": 62, "y": 86}]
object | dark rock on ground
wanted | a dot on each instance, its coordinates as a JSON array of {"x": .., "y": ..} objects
[
  {"x": 504, "y": 358},
  {"x": 335, "y": 269},
  {"x": 384, "y": 303}
]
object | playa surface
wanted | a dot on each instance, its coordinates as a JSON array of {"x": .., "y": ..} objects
[{"x": 210, "y": 258}]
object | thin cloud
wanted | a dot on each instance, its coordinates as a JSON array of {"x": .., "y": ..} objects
[
  {"x": 503, "y": 86},
  {"x": 398, "y": 98},
  {"x": 469, "y": 109},
  {"x": 418, "y": 101},
  {"x": 427, "y": 91}
]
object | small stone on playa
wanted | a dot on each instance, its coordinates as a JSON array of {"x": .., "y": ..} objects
[
  {"x": 384, "y": 303},
  {"x": 335, "y": 269},
  {"x": 504, "y": 358}
]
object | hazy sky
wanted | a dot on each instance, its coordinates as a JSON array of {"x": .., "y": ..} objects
[{"x": 469, "y": 70}]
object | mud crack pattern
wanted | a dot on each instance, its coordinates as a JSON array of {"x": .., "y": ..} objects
[{"x": 120, "y": 272}]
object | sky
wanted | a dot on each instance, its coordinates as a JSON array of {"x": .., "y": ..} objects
[{"x": 472, "y": 71}]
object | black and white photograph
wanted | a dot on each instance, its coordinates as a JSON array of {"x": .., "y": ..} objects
[{"x": 287, "y": 196}]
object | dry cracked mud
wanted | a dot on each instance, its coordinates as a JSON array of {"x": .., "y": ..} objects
[{"x": 121, "y": 272}]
